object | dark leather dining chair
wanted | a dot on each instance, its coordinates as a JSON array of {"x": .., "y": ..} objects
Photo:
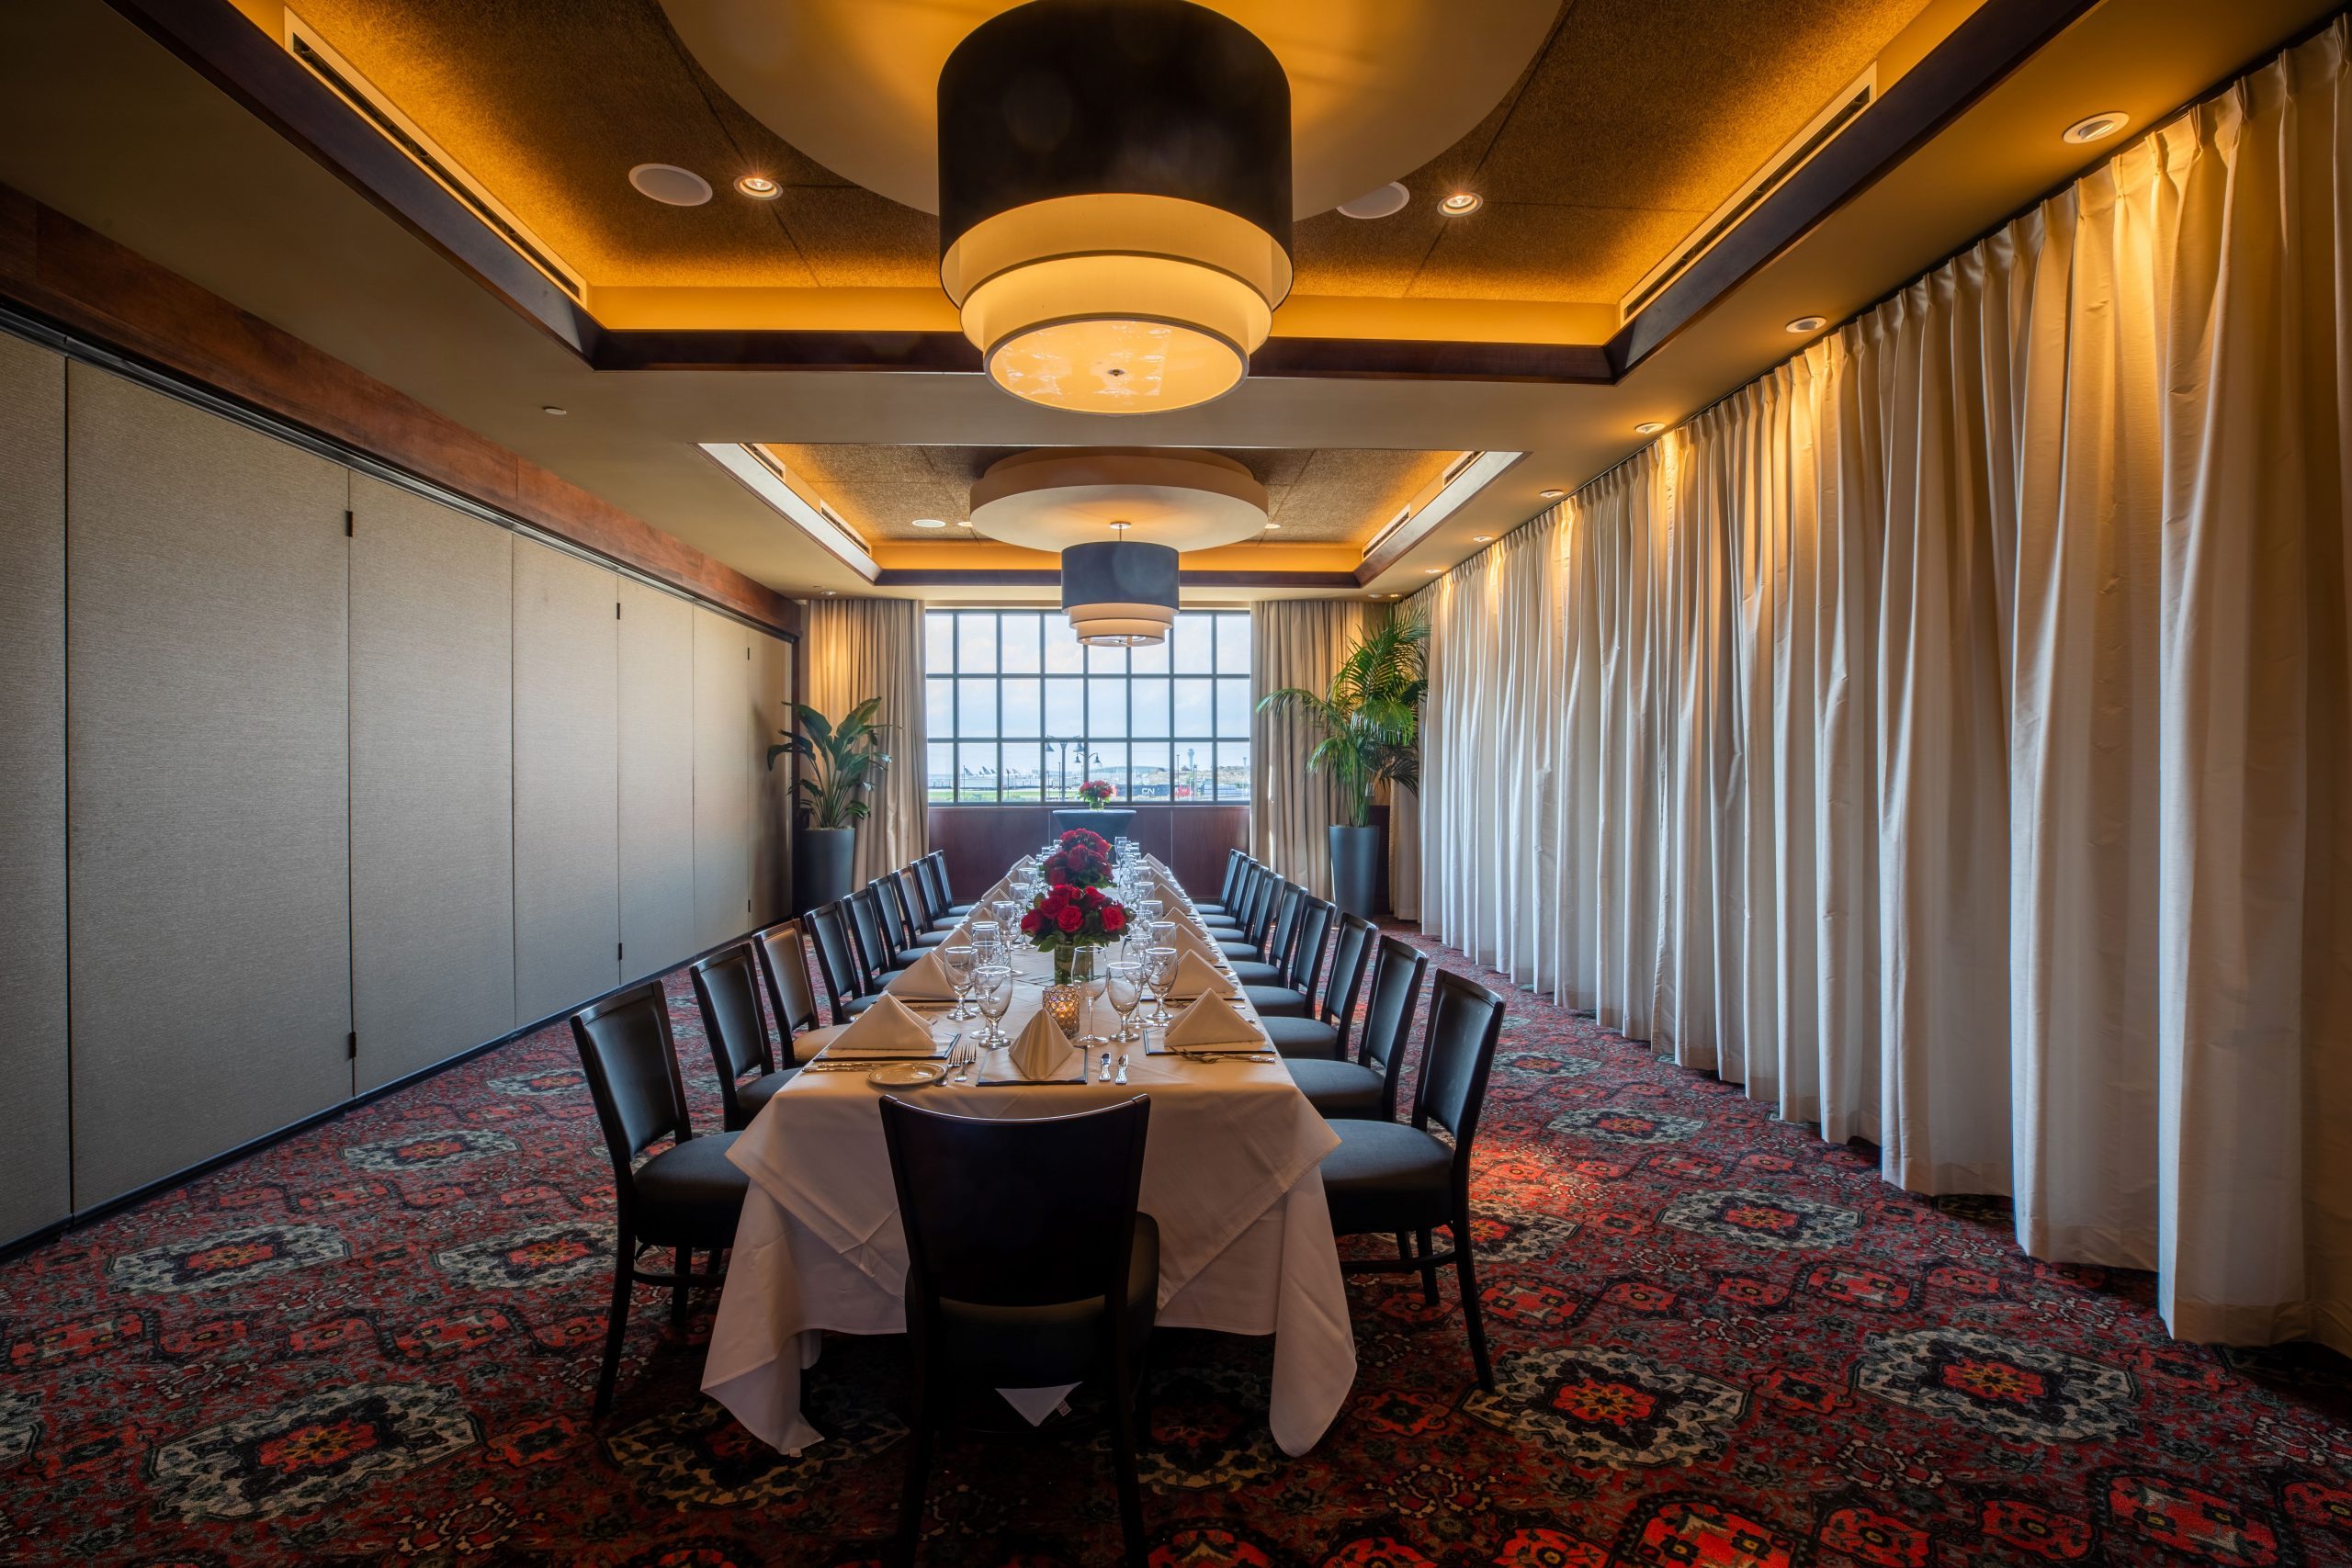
[
  {"x": 784, "y": 974},
  {"x": 937, "y": 861},
  {"x": 1290, "y": 905},
  {"x": 1257, "y": 912},
  {"x": 899, "y": 914},
  {"x": 877, "y": 960},
  {"x": 727, "y": 989},
  {"x": 846, "y": 992},
  {"x": 1324, "y": 1033},
  {"x": 1223, "y": 903},
  {"x": 1365, "y": 1089},
  {"x": 1027, "y": 1266},
  {"x": 1402, "y": 1179},
  {"x": 1293, "y": 995},
  {"x": 689, "y": 1196}
]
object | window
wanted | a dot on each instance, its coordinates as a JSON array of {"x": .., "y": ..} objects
[{"x": 1019, "y": 711}]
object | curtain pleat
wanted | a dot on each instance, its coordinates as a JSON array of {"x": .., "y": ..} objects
[
  {"x": 1295, "y": 642},
  {"x": 858, "y": 648},
  {"x": 1946, "y": 736}
]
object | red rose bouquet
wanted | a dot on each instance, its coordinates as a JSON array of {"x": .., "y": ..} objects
[
  {"x": 1083, "y": 860},
  {"x": 1094, "y": 792},
  {"x": 1063, "y": 919}
]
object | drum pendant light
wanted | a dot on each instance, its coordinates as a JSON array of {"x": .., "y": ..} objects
[
  {"x": 1119, "y": 594},
  {"x": 1114, "y": 191}
]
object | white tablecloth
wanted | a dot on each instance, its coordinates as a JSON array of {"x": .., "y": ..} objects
[{"x": 1230, "y": 1173}]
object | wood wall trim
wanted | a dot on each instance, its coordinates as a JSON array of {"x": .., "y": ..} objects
[
  {"x": 980, "y": 840},
  {"x": 91, "y": 286}
]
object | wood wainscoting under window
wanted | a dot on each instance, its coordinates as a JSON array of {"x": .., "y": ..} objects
[{"x": 979, "y": 841}]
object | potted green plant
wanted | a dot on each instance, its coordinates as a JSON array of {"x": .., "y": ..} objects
[
  {"x": 842, "y": 759},
  {"x": 1370, "y": 719}
]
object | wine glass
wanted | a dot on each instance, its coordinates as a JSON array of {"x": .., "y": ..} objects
[
  {"x": 1159, "y": 973},
  {"x": 1086, "y": 973},
  {"x": 1151, "y": 909},
  {"x": 1008, "y": 916},
  {"x": 988, "y": 941},
  {"x": 1122, "y": 988},
  {"x": 994, "y": 985},
  {"x": 962, "y": 960}
]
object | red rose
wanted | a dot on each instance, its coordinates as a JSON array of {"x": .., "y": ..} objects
[
  {"x": 1029, "y": 922},
  {"x": 1114, "y": 918},
  {"x": 1093, "y": 898},
  {"x": 1070, "y": 919},
  {"x": 1055, "y": 874}
]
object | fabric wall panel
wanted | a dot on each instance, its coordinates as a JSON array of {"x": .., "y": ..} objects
[
  {"x": 35, "y": 1174},
  {"x": 207, "y": 727},
  {"x": 771, "y": 786},
  {"x": 657, "y": 778},
  {"x": 723, "y": 719},
  {"x": 432, "y": 782},
  {"x": 567, "y": 823}
]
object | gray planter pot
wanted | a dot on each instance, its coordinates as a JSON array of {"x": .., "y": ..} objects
[
  {"x": 821, "y": 866},
  {"x": 1359, "y": 862}
]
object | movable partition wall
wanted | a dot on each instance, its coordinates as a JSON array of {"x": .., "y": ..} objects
[{"x": 299, "y": 806}]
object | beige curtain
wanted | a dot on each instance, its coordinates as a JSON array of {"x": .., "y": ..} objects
[
  {"x": 1947, "y": 735},
  {"x": 858, "y": 648},
  {"x": 1295, "y": 642}
]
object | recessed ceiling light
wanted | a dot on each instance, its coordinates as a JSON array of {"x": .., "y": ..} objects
[
  {"x": 758, "y": 187},
  {"x": 670, "y": 184},
  {"x": 828, "y": 593},
  {"x": 963, "y": 521},
  {"x": 1460, "y": 204},
  {"x": 1482, "y": 539},
  {"x": 550, "y": 408},
  {"x": 1808, "y": 323},
  {"x": 2097, "y": 126},
  {"x": 1648, "y": 427},
  {"x": 1273, "y": 527},
  {"x": 1432, "y": 570},
  {"x": 931, "y": 522},
  {"x": 1388, "y": 200},
  {"x": 1550, "y": 494}
]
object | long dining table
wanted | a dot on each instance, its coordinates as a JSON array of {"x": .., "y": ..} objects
[{"x": 1231, "y": 1173}]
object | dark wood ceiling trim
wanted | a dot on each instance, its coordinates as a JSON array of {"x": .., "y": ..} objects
[
  {"x": 215, "y": 38},
  {"x": 98, "y": 291},
  {"x": 1994, "y": 40},
  {"x": 229, "y": 51},
  {"x": 1026, "y": 577}
]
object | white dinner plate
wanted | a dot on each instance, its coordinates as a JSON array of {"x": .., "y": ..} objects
[{"x": 907, "y": 1075}]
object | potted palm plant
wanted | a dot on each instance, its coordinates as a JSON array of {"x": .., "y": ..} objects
[
  {"x": 1370, "y": 719},
  {"x": 844, "y": 758}
]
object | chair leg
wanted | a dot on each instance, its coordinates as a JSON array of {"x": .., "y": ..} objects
[
  {"x": 1428, "y": 1269},
  {"x": 616, "y": 1330},
  {"x": 1122, "y": 1461},
  {"x": 1403, "y": 1246},
  {"x": 1466, "y": 1274},
  {"x": 678, "y": 1291},
  {"x": 918, "y": 1477}
]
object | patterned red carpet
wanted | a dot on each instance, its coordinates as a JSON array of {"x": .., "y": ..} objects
[{"x": 1720, "y": 1344}]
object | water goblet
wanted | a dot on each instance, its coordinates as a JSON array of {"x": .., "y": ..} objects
[
  {"x": 993, "y": 984},
  {"x": 1159, "y": 973},
  {"x": 1151, "y": 909},
  {"x": 1123, "y": 989},
  {"x": 961, "y": 959}
]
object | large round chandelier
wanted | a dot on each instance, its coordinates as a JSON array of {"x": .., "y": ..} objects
[{"x": 1114, "y": 200}]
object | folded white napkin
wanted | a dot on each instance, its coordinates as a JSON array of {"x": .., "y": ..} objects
[
  {"x": 925, "y": 980},
  {"x": 1212, "y": 1020},
  {"x": 1195, "y": 978},
  {"x": 1172, "y": 895},
  {"x": 1185, "y": 938},
  {"x": 1041, "y": 1049},
  {"x": 888, "y": 1028},
  {"x": 809, "y": 1041}
]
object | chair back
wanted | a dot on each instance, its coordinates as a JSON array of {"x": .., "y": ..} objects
[
  {"x": 937, "y": 861},
  {"x": 897, "y": 912},
  {"x": 930, "y": 890},
  {"x": 875, "y": 949},
  {"x": 1292, "y": 901},
  {"x": 1235, "y": 863},
  {"x": 1350, "y": 962},
  {"x": 1388, "y": 1017},
  {"x": 1307, "y": 945},
  {"x": 783, "y": 970},
  {"x": 1465, "y": 1020},
  {"x": 632, "y": 1066},
  {"x": 1016, "y": 1211},
  {"x": 726, "y": 988},
  {"x": 1257, "y": 905},
  {"x": 836, "y": 958}
]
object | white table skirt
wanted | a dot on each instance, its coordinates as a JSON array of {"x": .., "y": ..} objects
[{"x": 1231, "y": 1173}]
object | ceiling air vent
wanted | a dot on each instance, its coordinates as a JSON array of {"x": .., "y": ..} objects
[
  {"x": 1793, "y": 155},
  {"x": 312, "y": 53}
]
